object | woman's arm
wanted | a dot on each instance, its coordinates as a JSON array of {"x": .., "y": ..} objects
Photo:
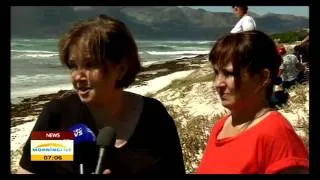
[
  {"x": 305, "y": 40},
  {"x": 287, "y": 154}
]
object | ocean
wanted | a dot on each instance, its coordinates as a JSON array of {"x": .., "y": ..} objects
[{"x": 36, "y": 69}]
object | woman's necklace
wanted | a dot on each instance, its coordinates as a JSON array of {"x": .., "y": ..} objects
[{"x": 257, "y": 116}]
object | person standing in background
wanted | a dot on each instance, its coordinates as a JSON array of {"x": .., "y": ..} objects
[
  {"x": 246, "y": 22},
  {"x": 289, "y": 68}
]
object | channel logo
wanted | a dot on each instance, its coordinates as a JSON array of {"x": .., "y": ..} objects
[{"x": 52, "y": 146}]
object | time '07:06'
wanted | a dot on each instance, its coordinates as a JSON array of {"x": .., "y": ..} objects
[{"x": 52, "y": 158}]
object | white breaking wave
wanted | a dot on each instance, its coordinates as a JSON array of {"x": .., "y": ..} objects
[
  {"x": 20, "y": 79},
  {"x": 18, "y": 95},
  {"x": 33, "y": 51},
  {"x": 176, "y": 42},
  {"x": 186, "y": 56},
  {"x": 205, "y": 42},
  {"x": 20, "y": 44},
  {"x": 148, "y": 63},
  {"x": 36, "y": 55},
  {"x": 177, "y": 52},
  {"x": 163, "y": 45}
]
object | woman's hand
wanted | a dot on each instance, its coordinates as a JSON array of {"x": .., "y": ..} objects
[{"x": 106, "y": 171}]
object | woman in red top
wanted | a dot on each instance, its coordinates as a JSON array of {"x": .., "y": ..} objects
[{"x": 254, "y": 138}]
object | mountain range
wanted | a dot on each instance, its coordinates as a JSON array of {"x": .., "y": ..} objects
[{"x": 145, "y": 22}]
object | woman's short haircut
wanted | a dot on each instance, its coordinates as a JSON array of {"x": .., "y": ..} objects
[
  {"x": 253, "y": 50},
  {"x": 107, "y": 40}
]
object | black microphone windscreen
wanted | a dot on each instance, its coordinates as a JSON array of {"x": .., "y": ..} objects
[{"x": 106, "y": 137}]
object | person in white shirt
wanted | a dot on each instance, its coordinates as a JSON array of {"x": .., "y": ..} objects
[
  {"x": 246, "y": 22},
  {"x": 290, "y": 68}
]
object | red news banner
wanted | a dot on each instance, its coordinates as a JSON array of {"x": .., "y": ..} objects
[{"x": 52, "y": 146}]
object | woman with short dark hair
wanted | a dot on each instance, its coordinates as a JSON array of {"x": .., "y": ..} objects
[
  {"x": 103, "y": 59},
  {"x": 253, "y": 138}
]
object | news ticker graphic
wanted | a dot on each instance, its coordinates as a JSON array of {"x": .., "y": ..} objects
[{"x": 52, "y": 146}]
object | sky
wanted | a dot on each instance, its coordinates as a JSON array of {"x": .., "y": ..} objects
[{"x": 294, "y": 10}]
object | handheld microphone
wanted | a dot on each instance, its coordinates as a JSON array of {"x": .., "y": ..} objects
[
  {"x": 82, "y": 135},
  {"x": 105, "y": 139}
]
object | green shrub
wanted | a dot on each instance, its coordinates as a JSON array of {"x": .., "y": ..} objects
[{"x": 290, "y": 37}]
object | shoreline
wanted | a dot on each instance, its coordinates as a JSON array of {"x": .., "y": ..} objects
[
  {"x": 145, "y": 82},
  {"x": 149, "y": 70}
]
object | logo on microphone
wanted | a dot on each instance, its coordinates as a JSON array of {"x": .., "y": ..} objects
[
  {"x": 51, "y": 146},
  {"x": 82, "y": 133}
]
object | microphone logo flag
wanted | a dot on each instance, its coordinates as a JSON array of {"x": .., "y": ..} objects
[{"x": 52, "y": 146}]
